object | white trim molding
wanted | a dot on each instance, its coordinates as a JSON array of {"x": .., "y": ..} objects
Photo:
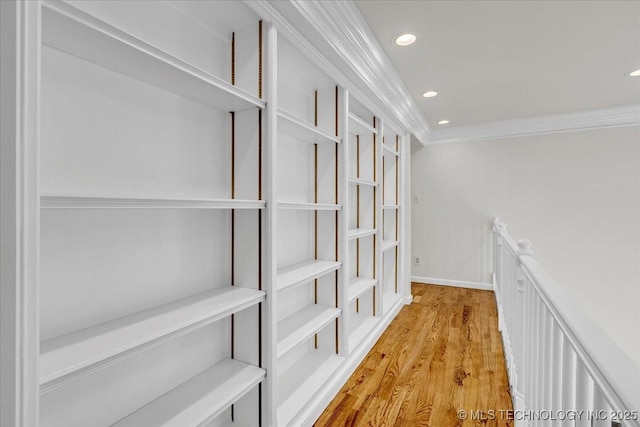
[
  {"x": 604, "y": 118},
  {"x": 19, "y": 212},
  {"x": 455, "y": 283}
]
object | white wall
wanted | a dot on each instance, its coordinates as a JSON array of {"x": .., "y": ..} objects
[{"x": 575, "y": 195}]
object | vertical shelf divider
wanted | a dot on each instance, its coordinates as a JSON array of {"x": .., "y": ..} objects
[
  {"x": 379, "y": 200},
  {"x": 342, "y": 114},
  {"x": 270, "y": 328}
]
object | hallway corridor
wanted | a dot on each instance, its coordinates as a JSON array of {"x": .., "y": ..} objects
[{"x": 440, "y": 361}]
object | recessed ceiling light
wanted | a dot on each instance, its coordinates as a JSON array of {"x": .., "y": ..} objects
[
  {"x": 430, "y": 94},
  {"x": 635, "y": 73},
  {"x": 443, "y": 122},
  {"x": 405, "y": 39}
]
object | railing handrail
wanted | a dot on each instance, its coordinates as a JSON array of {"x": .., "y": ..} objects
[{"x": 609, "y": 366}]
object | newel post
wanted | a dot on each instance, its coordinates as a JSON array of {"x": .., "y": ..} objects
[
  {"x": 497, "y": 227},
  {"x": 524, "y": 249}
]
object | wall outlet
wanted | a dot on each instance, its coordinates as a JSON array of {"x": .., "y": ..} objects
[{"x": 416, "y": 260}]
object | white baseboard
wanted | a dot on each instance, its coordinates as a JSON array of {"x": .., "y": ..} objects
[
  {"x": 454, "y": 283},
  {"x": 331, "y": 388}
]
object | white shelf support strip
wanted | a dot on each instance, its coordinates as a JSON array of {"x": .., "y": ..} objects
[
  {"x": 200, "y": 399},
  {"x": 304, "y": 272},
  {"x": 360, "y": 181},
  {"x": 75, "y": 355},
  {"x": 70, "y": 30},
  {"x": 358, "y": 286},
  {"x": 302, "y": 325},
  {"x": 388, "y": 244},
  {"x": 62, "y": 202},
  {"x": 304, "y": 131},
  {"x": 357, "y": 126},
  {"x": 389, "y": 150},
  {"x": 357, "y": 233},
  {"x": 309, "y": 206}
]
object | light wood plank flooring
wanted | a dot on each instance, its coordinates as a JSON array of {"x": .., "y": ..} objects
[{"x": 441, "y": 354}]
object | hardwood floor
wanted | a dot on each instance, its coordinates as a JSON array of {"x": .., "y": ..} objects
[{"x": 442, "y": 354}]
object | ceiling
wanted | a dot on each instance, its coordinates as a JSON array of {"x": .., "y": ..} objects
[{"x": 502, "y": 60}]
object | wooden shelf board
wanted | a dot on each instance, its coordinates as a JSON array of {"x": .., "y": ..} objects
[
  {"x": 72, "y": 356},
  {"x": 304, "y": 272},
  {"x": 388, "y": 150},
  {"x": 302, "y": 325},
  {"x": 303, "y": 130},
  {"x": 360, "y": 181},
  {"x": 301, "y": 382},
  {"x": 357, "y": 126},
  {"x": 77, "y": 33},
  {"x": 362, "y": 331},
  {"x": 358, "y": 286},
  {"x": 60, "y": 201},
  {"x": 309, "y": 206},
  {"x": 390, "y": 207},
  {"x": 388, "y": 244},
  {"x": 200, "y": 399},
  {"x": 356, "y": 233}
]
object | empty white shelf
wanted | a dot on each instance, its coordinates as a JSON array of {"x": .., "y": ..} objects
[
  {"x": 389, "y": 300},
  {"x": 303, "y": 130},
  {"x": 60, "y": 201},
  {"x": 356, "y": 233},
  {"x": 358, "y": 286},
  {"x": 388, "y": 244},
  {"x": 388, "y": 150},
  {"x": 360, "y": 181},
  {"x": 357, "y": 126},
  {"x": 302, "y": 325},
  {"x": 309, "y": 206},
  {"x": 390, "y": 207},
  {"x": 80, "y": 353},
  {"x": 79, "y": 34},
  {"x": 200, "y": 399},
  {"x": 362, "y": 330},
  {"x": 301, "y": 382},
  {"x": 304, "y": 272}
]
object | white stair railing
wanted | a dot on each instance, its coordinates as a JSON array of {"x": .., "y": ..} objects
[{"x": 563, "y": 369}]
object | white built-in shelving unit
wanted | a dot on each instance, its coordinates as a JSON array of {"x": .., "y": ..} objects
[
  {"x": 363, "y": 292},
  {"x": 151, "y": 289},
  {"x": 392, "y": 291},
  {"x": 309, "y": 232},
  {"x": 218, "y": 219}
]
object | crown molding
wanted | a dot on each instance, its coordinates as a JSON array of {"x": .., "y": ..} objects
[
  {"x": 338, "y": 31},
  {"x": 595, "y": 119},
  {"x": 340, "y": 25}
]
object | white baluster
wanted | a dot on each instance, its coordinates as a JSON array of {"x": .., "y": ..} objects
[
  {"x": 548, "y": 360},
  {"x": 568, "y": 376},
  {"x": 536, "y": 354},
  {"x": 557, "y": 361},
  {"x": 542, "y": 362},
  {"x": 584, "y": 394},
  {"x": 542, "y": 308},
  {"x": 528, "y": 292},
  {"x": 602, "y": 409},
  {"x": 522, "y": 333}
]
